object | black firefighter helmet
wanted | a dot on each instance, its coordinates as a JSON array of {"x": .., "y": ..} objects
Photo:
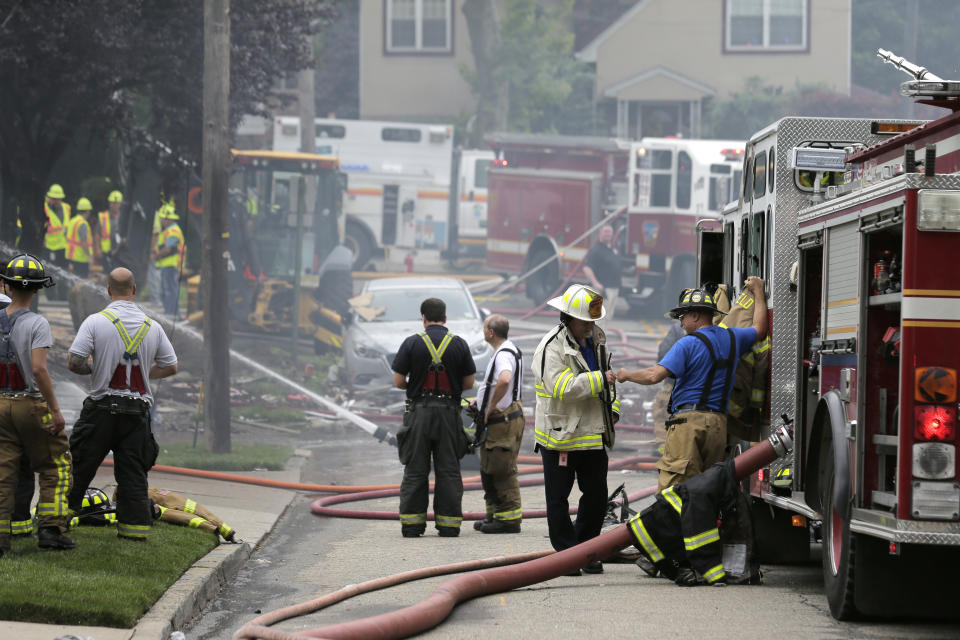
[
  {"x": 25, "y": 271},
  {"x": 96, "y": 509},
  {"x": 695, "y": 300}
]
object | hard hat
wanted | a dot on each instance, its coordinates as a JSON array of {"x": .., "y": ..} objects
[
  {"x": 581, "y": 302},
  {"x": 115, "y": 196},
  {"x": 94, "y": 500},
  {"x": 26, "y": 272},
  {"x": 56, "y": 191},
  {"x": 84, "y": 205},
  {"x": 168, "y": 213},
  {"x": 694, "y": 300}
]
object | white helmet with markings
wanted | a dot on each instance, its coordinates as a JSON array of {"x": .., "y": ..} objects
[{"x": 581, "y": 302}]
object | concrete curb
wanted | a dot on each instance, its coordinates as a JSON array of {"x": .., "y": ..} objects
[{"x": 196, "y": 587}]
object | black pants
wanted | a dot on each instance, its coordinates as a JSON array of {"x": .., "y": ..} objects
[
  {"x": 589, "y": 468},
  {"x": 125, "y": 430},
  {"x": 433, "y": 435},
  {"x": 23, "y": 496}
]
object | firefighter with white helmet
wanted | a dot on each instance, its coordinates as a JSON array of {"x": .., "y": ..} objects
[
  {"x": 704, "y": 363},
  {"x": 569, "y": 423},
  {"x": 31, "y": 424}
]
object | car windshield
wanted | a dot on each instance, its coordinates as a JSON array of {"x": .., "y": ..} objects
[{"x": 403, "y": 305}]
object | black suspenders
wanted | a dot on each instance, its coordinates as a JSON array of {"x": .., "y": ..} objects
[{"x": 726, "y": 364}]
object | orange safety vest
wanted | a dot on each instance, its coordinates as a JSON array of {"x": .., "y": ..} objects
[
  {"x": 174, "y": 259},
  {"x": 105, "y": 238},
  {"x": 78, "y": 249},
  {"x": 54, "y": 238}
]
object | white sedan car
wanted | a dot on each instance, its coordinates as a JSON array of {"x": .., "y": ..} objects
[{"x": 393, "y": 313}]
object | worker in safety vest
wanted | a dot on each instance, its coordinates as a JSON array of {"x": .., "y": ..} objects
[
  {"x": 80, "y": 246},
  {"x": 58, "y": 215},
  {"x": 129, "y": 349},
  {"x": 169, "y": 255},
  {"x": 433, "y": 367},
  {"x": 569, "y": 422},
  {"x": 704, "y": 364},
  {"x": 108, "y": 228},
  {"x": 31, "y": 424}
]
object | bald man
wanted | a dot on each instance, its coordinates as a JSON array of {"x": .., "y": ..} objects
[{"x": 121, "y": 340}]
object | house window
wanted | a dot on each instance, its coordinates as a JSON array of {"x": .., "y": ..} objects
[
  {"x": 415, "y": 26},
  {"x": 766, "y": 25}
]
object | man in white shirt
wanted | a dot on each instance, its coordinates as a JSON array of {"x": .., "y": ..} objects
[
  {"x": 116, "y": 413},
  {"x": 498, "y": 401}
]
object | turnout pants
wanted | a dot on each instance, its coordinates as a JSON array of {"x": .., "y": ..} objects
[
  {"x": 179, "y": 509},
  {"x": 121, "y": 425},
  {"x": 24, "y": 432},
  {"x": 498, "y": 466},
  {"x": 21, "y": 522},
  {"x": 432, "y": 436},
  {"x": 696, "y": 440},
  {"x": 661, "y": 410},
  {"x": 589, "y": 468}
]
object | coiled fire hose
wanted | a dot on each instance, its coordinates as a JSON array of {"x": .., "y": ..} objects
[{"x": 432, "y": 611}]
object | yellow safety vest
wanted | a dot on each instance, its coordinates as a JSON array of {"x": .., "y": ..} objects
[
  {"x": 78, "y": 250},
  {"x": 55, "y": 238},
  {"x": 105, "y": 230},
  {"x": 174, "y": 259}
]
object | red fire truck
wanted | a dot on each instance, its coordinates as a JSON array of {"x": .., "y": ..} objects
[
  {"x": 852, "y": 224},
  {"x": 547, "y": 194}
]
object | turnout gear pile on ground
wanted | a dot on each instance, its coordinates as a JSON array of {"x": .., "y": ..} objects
[
  {"x": 678, "y": 533},
  {"x": 174, "y": 508}
]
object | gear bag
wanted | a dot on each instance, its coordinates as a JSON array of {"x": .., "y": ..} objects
[
  {"x": 128, "y": 374},
  {"x": 11, "y": 373}
]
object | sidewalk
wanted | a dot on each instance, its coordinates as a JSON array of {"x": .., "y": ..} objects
[{"x": 251, "y": 510}]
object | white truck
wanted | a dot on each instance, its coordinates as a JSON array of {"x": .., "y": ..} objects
[{"x": 409, "y": 188}]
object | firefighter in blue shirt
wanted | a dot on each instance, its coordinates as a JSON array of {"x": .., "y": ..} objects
[{"x": 704, "y": 364}]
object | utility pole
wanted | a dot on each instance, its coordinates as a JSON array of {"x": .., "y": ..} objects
[
  {"x": 215, "y": 232},
  {"x": 306, "y": 192}
]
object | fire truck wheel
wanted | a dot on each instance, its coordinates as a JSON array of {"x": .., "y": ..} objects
[
  {"x": 544, "y": 282},
  {"x": 838, "y": 542},
  {"x": 358, "y": 241},
  {"x": 681, "y": 277}
]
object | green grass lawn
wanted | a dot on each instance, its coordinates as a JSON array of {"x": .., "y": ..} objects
[
  {"x": 242, "y": 457},
  {"x": 105, "y": 581}
]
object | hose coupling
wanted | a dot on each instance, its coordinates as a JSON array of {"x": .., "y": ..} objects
[{"x": 781, "y": 440}]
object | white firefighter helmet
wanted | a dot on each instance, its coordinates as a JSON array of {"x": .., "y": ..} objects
[{"x": 581, "y": 302}]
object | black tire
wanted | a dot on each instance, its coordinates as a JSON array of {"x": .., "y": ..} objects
[
  {"x": 681, "y": 277},
  {"x": 357, "y": 239},
  {"x": 544, "y": 282},
  {"x": 838, "y": 542}
]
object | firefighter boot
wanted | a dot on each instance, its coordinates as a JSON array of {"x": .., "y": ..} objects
[
  {"x": 51, "y": 538},
  {"x": 498, "y": 526}
]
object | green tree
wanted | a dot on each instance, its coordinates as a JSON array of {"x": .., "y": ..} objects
[
  {"x": 74, "y": 68},
  {"x": 525, "y": 77}
]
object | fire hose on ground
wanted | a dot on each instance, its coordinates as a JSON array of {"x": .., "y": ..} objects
[{"x": 429, "y": 613}]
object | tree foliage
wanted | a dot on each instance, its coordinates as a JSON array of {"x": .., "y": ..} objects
[
  {"x": 75, "y": 67},
  {"x": 546, "y": 89}
]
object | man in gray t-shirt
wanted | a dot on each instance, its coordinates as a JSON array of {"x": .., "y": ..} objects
[
  {"x": 31, "y": 424},
  {"x": 128, "y": 349}
]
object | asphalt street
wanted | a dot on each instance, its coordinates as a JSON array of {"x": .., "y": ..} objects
[{"x": 307, "y": 556}]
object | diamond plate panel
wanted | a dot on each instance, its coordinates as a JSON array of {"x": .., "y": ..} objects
[{"x": 789, "y": 133}]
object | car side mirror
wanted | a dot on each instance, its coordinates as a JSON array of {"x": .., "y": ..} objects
[{"x": 485, "y": 313}]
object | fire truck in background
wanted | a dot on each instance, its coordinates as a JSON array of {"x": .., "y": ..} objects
[
  {"x": 853, "y": 225},
  {"x": 409, "y": 189},
  {"x": 548, "y": 192}
]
